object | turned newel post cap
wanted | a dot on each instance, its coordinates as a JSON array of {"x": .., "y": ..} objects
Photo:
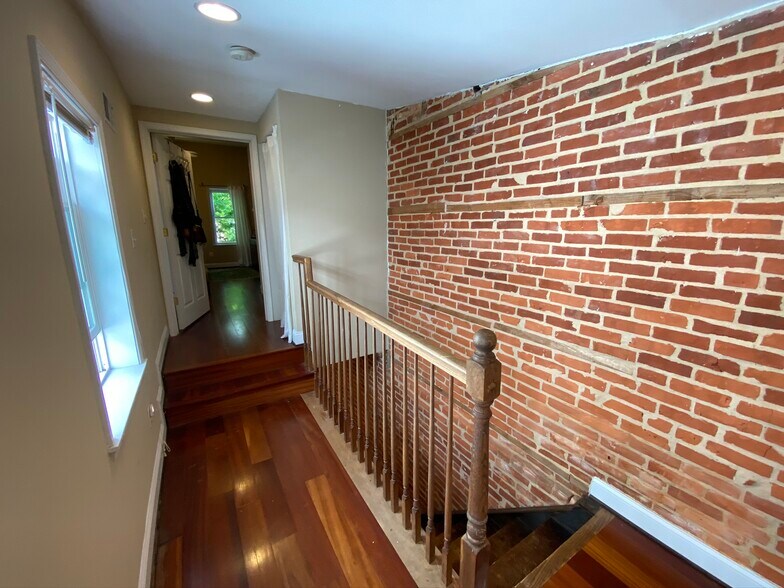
[
  {"x": 483, "y": 370},
  {"x": 484, "y": 341}
]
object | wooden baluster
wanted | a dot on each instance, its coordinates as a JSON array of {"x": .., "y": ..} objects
[
  {"x": 406, "y": 497},
  {"x": 368, "y": 459},
  {"x": 393, "y": 429},
  {"x": 315, "y": 316},
  {"x": 415, "y": 522},
  {"x": 324, "y": 364},
  {"x": 483, "y": 385},
  {"x": 335, "y": 366},
  {"x": 430, "y": 530},
  {"x": 376, "y": 457},
  {"x": 446, "y": 559},
  {"x": 342, "y": 421},
  {"x": 307, "y": 332},
  {"x": 352, "y": 431},
  {"x": 384, "y": 420},
  {"x": 328, "y": 353},
  {"x": 358, "y": 446},
  {"x": 301, "y": 276}
]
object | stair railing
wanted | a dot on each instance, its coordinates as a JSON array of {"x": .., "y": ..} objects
[{"x": 378, "y": 382}]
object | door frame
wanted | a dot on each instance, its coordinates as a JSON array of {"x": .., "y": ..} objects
[{"x": 146, "y": 129}]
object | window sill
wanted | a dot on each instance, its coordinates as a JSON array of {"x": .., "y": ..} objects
[{"x": 119, "y": 393}]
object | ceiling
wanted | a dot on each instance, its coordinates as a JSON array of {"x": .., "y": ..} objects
[{"x": 365, "y": 51}]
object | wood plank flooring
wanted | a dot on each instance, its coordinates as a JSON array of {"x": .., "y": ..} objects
[
  {"x": 258, "y": 498},
  {"x": 234, "y": 327}
]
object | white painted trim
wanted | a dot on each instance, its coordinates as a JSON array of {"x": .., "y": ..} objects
[
  {"x": 221, "y": 264},
  {"x": 145, "y": 130},
  {"x": 148, "y": 545},
  {"x": 163, "y": 344},
  {"x": 688, "y": 546},
  {"x": 297, "y": 337}
]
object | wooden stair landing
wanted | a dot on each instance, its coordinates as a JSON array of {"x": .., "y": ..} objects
[
  {"x": 583, "y": 545},
  {"x": 218, "y": 388}
]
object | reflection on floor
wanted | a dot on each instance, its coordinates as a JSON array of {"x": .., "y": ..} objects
[
  {"x": 258, "y": 498},
  {"x": 235, "y": 326}
]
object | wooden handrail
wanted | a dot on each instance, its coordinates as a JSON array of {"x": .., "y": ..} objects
[
  {"x": 348, "y": 398},
  {"x": 441, "y": 359}
]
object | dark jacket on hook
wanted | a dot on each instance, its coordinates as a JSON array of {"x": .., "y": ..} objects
[{"x": 183, "y": 213}]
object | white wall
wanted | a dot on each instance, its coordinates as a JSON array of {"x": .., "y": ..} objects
[
  {"x": 70, "y": 513},
  {"x": 334, "y": 166}
]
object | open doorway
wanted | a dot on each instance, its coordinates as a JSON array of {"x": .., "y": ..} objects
[{"x": 216, "y": 295}]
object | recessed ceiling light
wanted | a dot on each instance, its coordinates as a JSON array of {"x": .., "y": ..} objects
[
  {"x": 201, "y": 97},
  {"x": 218, "y": 11}
]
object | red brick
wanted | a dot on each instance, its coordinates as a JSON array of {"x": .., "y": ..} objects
[
  {"x": 657, "y": 106},
  {"x": 707, "y": 56},
  {"x": 750, "y": 23},
  {"x": 716, "y": 133},
  {"x": 691, "y": 80},
  {"x": 703, "y": 460},
  {"x": 757, "y": 356},
  {"x": 769, "y": 126},
  {"x": 753, "y": 245},
  {"x": 653, "y": 144},
  {"x": 618, "y": 101},
  {"x": 740, "y": 460},
  {"x": 621, "y": 67},
  {"x": 677, "y": 159},
  {"x": 744, "y": 65},
  {"x": 601, "y": 90},
  {"x": 684, "y": 45},
  {"x": 748, "y": 149},
  {"x": 719, "y": 92},
  {"x": 650, "y": 74},
  {"x": 665, "y": 365},
  {"x": 747, "y": 226},
  {"x": 650, "y": 179},
  {"x": 758, "y": 319},
  {"x": 768, "y": 81},
  {"x": 685, "y": 119},
  {"x": 765, "y": 171},
  {"x": 770, "y": 103},
  {"x": 764, "y": 39},
  {"x": 710, "y": 174},
  {"x": 684, "y": 242}
]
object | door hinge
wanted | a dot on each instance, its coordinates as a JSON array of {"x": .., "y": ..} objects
[
  {"x": 165, "y": 232},
  {"x": 176, "y": 301},
  {"x": 154, "y": 157}
]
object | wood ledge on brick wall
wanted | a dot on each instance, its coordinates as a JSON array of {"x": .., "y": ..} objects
[
  {"x": 730, "y": 192},
  {"x": 606, "y": 361}
]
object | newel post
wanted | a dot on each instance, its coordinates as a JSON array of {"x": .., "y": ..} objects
[{"x": 483, "y": 385}]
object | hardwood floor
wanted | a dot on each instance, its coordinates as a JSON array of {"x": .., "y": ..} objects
[
  {"x": 234, "y": 328},
  {"x": 258, "y": 498},
  {"x": 621, "y": 556}
]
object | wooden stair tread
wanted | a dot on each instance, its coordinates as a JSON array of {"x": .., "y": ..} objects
[
  {"x": 520, "y": 560},
  {"x": 506, "y": 538}
]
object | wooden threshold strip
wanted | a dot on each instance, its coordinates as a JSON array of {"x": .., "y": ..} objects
[{"x": 733, "y": 192}]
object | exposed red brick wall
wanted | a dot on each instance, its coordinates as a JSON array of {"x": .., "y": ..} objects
[{"x": 642, "y": 337}]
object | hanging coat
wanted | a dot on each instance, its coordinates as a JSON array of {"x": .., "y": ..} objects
[{"x": 183, "y": 213}]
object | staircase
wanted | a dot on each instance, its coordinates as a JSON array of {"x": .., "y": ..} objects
[
  {"x": 210, "y": 390},
  {"x": 393, "y": 394}
]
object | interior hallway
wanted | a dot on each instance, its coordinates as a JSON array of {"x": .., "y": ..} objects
[
  {"x": 258, "y": 498},
  {"x": 235, "y": 326}
]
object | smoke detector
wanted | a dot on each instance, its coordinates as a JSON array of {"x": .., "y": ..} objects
[{"x": 242, "y": 53}]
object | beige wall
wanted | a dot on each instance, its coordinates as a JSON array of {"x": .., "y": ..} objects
[
  {"x": 187, "y": 119},
  {"x": 219, "y": 165},
  {"x": 334, "y": 160},
  {"x": 70, "y": 513}
]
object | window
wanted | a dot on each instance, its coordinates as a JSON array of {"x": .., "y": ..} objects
[
  {"x": 89, "y": 225},
  {"x": 223, "y": 221}
]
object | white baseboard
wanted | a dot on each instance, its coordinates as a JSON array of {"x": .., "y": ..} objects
[
  {"x": 688, "y": 546},
  {"x": 297, "y": 337},
  {"x": 148, "y": 546}
]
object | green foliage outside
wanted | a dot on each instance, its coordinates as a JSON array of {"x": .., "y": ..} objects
[{"x": 223, "y": 213}]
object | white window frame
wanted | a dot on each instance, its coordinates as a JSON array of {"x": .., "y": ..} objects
[
  {"x": 115, "y": 390},
  {"x": 211, "y": 191}
]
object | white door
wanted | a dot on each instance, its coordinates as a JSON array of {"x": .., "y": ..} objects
[{"x": 191, "y": 298}]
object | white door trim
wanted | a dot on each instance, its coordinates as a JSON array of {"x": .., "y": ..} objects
[{"x": 145, "y": 130}]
